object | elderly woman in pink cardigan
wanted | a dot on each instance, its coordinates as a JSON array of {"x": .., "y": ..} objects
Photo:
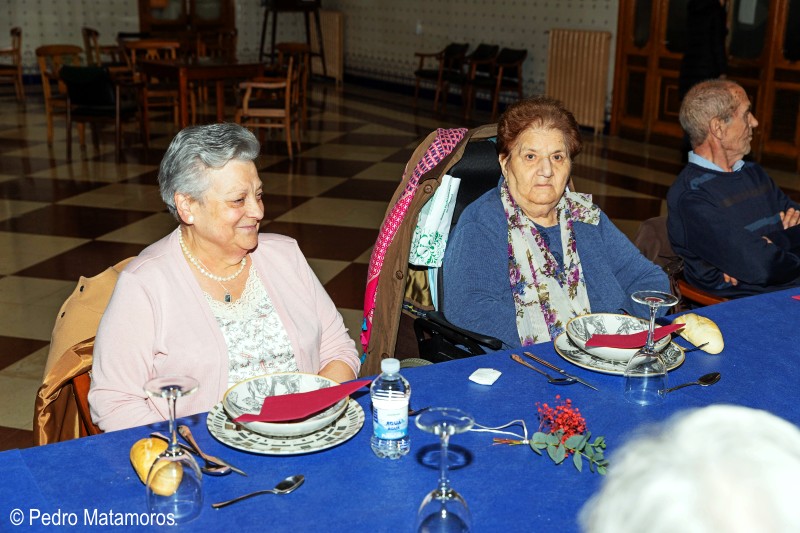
[{"x": 214, "y": 299}]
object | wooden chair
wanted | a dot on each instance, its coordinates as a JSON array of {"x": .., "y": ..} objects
[
  {"x": 221, "y": 44},
  {"x": 301, "y": 54},
  {"x": 505, "y": 76},
  {"x": 481, "y": 64},
  {"x": 156, "y": 93},
  {"x": 450, "y": 66},
  {"x": 111, "y": 56},
  {"x": 93, "y": 97},
  {"x": 216, "y": 44},
  {"x": 273, "y": 103},
  {"x": 12, "y": 70},
  {"x": 51, "y": 58}
]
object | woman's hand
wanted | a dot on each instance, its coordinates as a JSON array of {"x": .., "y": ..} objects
[{"x": 337, "y": 371}]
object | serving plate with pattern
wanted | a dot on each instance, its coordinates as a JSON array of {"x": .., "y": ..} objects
[
  {"x": 672, "y": 353},
  {"x": 237, "y": 436}
]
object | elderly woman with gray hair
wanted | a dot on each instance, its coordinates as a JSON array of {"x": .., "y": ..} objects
[{"x": 214, "y": 299}]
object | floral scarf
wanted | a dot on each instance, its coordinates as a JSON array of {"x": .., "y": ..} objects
[{"x": 546, "y": 296}]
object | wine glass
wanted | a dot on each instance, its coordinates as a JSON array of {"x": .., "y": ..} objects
[
  {"x": 646, "y": 372},
  {"x": 443, "y": 509},
  {"x": 174, "y": 483}
]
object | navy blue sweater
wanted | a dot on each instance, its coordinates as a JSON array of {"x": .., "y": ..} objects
[
  {"x": 717, "y": 221},
  {"x": 477, "y": 291}
]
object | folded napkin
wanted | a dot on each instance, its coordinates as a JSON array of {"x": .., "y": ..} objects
[
  {"x": 288, "y": 407},
  {"x": 635, "y": 340},
  {"x": 485, "y": 376}
]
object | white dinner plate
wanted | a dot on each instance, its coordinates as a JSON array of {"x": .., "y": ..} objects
[
  {"x": 236, "y": 436},
  {"x": 673, "y": 357}
]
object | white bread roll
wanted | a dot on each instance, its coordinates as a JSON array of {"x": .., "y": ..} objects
[
  {"x": 167, "y": 477},
  {"x": 699, "y": 330}
]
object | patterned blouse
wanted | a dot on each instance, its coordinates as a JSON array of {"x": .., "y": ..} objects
[{"x": 254, "y": 334}]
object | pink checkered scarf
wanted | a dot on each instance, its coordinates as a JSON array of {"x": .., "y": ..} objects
[{"x": 444, "y": 143}]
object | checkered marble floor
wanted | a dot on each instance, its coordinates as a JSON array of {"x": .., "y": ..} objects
[{"x": 61, "y": 220}]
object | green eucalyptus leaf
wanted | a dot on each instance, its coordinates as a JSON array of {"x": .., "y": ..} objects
[
  {"x": 553, "y": 439},
  {"x": 539, "y": 437},
  {"x": 577, "y": 460},
  {"x": 552, "y": 452},
  {"x": 601, "y": 470},
  {"x": 589, "y": 452},
  {"x": 535, "y": 448},
  {"x": 561, "y": 454},
  {"x": 574, "y": 442}
]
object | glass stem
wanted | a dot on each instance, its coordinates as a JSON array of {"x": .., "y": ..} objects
[
  {"x": 443, "y": 481},
  {"x": 172, "y": 399},
  {"x": 650, "y": 345}
]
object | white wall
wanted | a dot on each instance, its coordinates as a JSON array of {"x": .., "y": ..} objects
[{"x": 380, "y": 35}]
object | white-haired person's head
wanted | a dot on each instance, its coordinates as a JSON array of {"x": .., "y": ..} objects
[{"x": 722, "y": 468}]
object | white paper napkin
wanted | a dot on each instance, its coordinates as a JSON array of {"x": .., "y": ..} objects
[{"x": 485, "y": 376}]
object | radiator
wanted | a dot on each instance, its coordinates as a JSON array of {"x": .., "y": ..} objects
[
  {"x": 332, "y": 23},
  {"x": 577, "y": 73}
]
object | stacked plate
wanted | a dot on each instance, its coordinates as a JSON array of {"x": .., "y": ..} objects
[
  {"x": 322, "y": 430},
  {"x": 571, "y": 345}
]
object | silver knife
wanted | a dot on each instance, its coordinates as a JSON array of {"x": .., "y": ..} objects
[{"x": 562, "y": 372}]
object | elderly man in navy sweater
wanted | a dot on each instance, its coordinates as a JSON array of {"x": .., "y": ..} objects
[{"x": 737, "y": 232}]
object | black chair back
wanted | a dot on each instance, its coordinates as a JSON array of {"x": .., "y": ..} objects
[
  {"x": 88, "y": 86},
  {"x": 511, "y": 60},
  {"x": 479, "y": 171}
]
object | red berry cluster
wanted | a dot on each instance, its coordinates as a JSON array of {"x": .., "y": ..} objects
[{"x": 561, "y": 417}]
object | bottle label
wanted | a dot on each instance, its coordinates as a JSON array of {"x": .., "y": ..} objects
[{"x": 390, "y": 418}]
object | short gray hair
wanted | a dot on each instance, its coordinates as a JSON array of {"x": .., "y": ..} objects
[
  {"x": 705, "y": 101},
  {"x": 719, "y": 468},
  {"x": 196, "y": 149}
]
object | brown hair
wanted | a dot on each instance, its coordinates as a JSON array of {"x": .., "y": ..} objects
[{"x": 537, "y": 112}]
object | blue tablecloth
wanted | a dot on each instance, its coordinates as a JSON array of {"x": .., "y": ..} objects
[{"x": 347, "y": 488}]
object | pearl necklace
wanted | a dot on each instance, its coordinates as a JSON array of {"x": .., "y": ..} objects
[{"x": 201, "y": 267}]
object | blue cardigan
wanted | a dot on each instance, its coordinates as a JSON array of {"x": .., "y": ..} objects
[{"x": 477, "y": 292}]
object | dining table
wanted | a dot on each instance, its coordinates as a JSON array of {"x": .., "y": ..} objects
[
  {"x": 216, "y": 69},
  {"x": 347, "y": 488}
]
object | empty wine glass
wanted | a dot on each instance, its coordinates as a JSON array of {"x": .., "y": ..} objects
[
  {"x": 646, "y": 372},
  {"x": 174, "y": 483},
  {"x": 443, "y": 509}
]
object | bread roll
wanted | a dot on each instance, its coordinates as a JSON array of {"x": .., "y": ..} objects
[
  {"x": 699, "y": 330},
  {"x": 167, "y": 477}
]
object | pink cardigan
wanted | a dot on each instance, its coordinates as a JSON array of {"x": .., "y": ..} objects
[{"x": 159, "y": 323}]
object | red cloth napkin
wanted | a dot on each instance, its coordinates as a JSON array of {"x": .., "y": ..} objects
[
  {"x": 635, "y": 340},
  {"x": 302, "y": 404}
]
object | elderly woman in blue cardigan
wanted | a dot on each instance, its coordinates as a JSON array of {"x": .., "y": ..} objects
[{"x": 529, "y": 255}]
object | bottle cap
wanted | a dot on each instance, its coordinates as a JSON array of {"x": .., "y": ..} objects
[{"x": 390, "y": 366}]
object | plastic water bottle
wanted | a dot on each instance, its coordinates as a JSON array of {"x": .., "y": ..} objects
[{"x": 390, "y": 393}]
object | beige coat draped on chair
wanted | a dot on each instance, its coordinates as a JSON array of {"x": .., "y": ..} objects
[{"x": 56, "y": 415}]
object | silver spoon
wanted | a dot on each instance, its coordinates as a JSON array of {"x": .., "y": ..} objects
[
  {"x": 704, "y": 381},
  {"x": 551, "y": 379},
  {"x": 212, "y": 469},
  {"x": 286, "y": 486}
]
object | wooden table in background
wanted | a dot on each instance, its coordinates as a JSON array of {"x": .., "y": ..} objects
[{"x": 205, "y": 69}]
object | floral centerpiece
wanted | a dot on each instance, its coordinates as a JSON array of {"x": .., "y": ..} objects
[{"x": 562, "y": 432}]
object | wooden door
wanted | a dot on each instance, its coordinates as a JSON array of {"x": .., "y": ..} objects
[
  {"x": 179, "y": 18},
  {"x": 763, "y": 49},
  {"x": 779, "y": 107}
]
